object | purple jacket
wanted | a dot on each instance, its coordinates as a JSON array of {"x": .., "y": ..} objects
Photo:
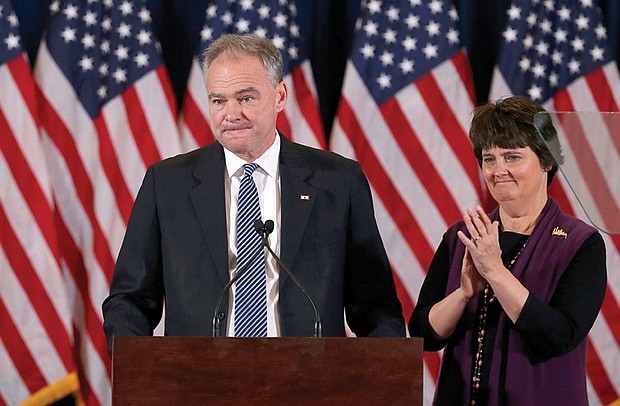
[{"x": 518, "y": 376}]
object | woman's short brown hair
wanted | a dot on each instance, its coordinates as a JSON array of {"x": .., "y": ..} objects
[{"x": 509, "y": 123}]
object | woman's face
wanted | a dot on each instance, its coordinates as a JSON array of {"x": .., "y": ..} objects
[{"x": 514, "y": 175}]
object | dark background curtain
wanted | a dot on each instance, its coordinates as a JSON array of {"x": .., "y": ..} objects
[{"x": 328, "y": 26}]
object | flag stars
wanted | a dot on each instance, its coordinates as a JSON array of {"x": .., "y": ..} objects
[
  {"x": 122, "y": 52},
  {"x": 246, "y": 4},
  {"x": 144, "y": 37},
  {"x": 374, "y": 6},
  {"x": 390, "y": 36},
  {"x": 406, "y": 66},
  {"x": 105, "y": 47},
  {"x": 260, "y": 32},
  {"x": 90, "y": 18},
  {"x": 141, "y": 60},
  {"x": 546, "y": 26},
  {"x": 510, "y": 35},
  {"x": 514, "y": 13},
  {"x": 13, "y": 21},
  {"x": 387, "y": 58},
  {"x": 12, "y": 41},
  {"x": 280, "y": 20},
  {"x": 412, "y": 21},
  {"x": 409, "y": 43},
  {"x": 293, "y": 53},
  {"x": 433, "y": 28},
  {"x": 564, "y": 14},
  {"x": 574, "y": 66},
  {"x": 557, "y": 57},
  {"x": 278, "y": 41},
  {"x": 294, "y": 30},
  {"x": 453, "y": 36},
  {"x": 524, "y": 64},
  {"x": 393, "y": 14},
  {"x": 144, "y": 15},
  {"x": 120, "y": 75},
  {"x": 68, "y": 34},
  {"x": 88, "y": 41},
  {"x": 578, "y": 44},
  {"x": 106, "y": 24},
  {"x": 227, "y": 18},
  {"x": 211, "y": 11},
  {"x": 582, "y": 22},
  {"x": 384, "y": 81},
  {"x": 264, "y": 11},
  {"x": 539, "y": 70},
  {"x": 601, "y": 32},
  {"x": 71, "y": 12},
  {"x": 371, "y": 28},
  {"x": 126, "y": 8},
  {"x": 124, "y": 30},
  {"x": 206, "y": 33},
  {"x": 528, "y": 42},
  {"x": 554, "y": 80},
  {"x": 436, "y": 6},
  {"x": 535, "y": 92},
  {"x": 542, "y": 48},
  {"x": 368, "y": 51},
  {"x": 242, "y": 25},
  {"x": 102, "y": 92},
  {"x": 430, "y": 51},
  {"x": 597, "y": 53},
  {"x": 560, "y": 36},
  {"x": 86, "y": 63}
]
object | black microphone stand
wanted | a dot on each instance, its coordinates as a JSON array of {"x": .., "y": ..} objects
[{"x": 264, "y": 231}]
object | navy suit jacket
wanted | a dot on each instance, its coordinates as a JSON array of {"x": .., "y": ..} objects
[{"x": 176, "y": 247}]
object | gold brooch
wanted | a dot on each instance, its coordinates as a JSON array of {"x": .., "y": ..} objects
[{"x": 560, "y": 232}]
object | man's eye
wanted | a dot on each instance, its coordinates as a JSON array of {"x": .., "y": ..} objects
[
  {"x": 247, "y": 99},
  {"x": 217, "y": 102}
]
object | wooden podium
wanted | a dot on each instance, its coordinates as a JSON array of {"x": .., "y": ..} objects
[{"x": 273, "y": 371}]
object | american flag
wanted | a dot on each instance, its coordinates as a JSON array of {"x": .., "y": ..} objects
[
  {"x": 36, "y": 337},
  {"x": 107, "y": 112},
  {"x": 404, "y": 114},
  {"x": 275, "y": 20},
  {"x": 556, "y": 53}
]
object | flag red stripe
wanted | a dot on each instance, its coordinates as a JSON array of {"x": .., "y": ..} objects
[
  {"x": 461, "y": 64},
  {"x": 28, "y": 184},
  {"x": 196, "y": 122},
  {"x": 166, "y": 85},
  {"x": 140, "y": 128},
  {"x": 19, "y": 353},
  {"x": 75, "y": 264},
  {"x": 418, "y": 160},
  {"x": 444, "y": 116},
  {"x": 601, "y": 91},
  {"x": 602, "y": 385},
  {"x": 382, "y": 183},
  {"x": 20, "y": 70},
  {"x": 86, "y": 390},
  {"x": 109, "y": 162},
  {"x": 284, "y": 125},
  {"x": 307, "y": 105},
  {"x": 37, "y": 295},
  {"x": 65, "y": 143}
]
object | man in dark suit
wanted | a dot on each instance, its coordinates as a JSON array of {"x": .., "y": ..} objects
[{"x": 181, "y": 239}]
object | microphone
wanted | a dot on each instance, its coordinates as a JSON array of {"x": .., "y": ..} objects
[
  {"x": 240, "y": 271},
  {"x": 264, "y": 230}
]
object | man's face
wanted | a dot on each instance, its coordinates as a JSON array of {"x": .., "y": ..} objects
[{"x": 243, "y": 105}]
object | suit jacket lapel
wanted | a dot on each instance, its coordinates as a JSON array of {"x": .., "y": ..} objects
[
  {"x": 297, "y": 199},
  {"x": 209, "y": 203}
]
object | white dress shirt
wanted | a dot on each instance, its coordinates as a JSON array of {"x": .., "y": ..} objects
[{"x": 267, "y": 180}]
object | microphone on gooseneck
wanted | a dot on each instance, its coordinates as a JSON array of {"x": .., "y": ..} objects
[
  {"x": 264, "y": 230},
  {"x": 240, "y": 271}
]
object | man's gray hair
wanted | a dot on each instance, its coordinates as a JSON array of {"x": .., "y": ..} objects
[{"x": 247, "y": 44}]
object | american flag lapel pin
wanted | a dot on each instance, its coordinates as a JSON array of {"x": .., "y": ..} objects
[{"x": 304, "y": 197}]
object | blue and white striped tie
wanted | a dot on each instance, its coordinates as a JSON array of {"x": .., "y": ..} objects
[{"x": 251, "y": 289}]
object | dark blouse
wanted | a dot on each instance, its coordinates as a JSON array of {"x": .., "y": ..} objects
[{"x": 549, "y": 329}]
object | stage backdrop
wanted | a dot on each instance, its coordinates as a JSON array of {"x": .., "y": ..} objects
[{"x": 93, "y": 91}]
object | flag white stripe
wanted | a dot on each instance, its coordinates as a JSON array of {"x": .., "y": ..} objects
[{"x": 13, "y": 387}]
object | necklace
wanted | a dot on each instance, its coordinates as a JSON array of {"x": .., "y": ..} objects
[{"x": 487, "y": 298}]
